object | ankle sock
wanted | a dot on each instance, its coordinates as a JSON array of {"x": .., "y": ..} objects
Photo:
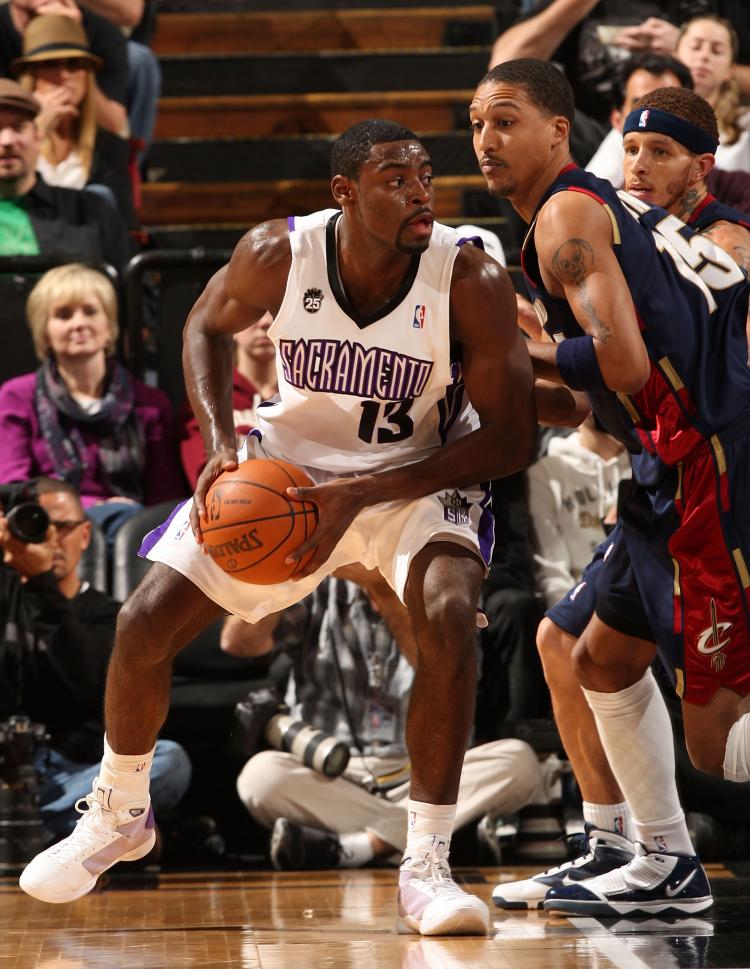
[
  {"x": 610, "y": 817},
  {"x": 128, "y": 773},
  {"x": 428, "y": 820}
]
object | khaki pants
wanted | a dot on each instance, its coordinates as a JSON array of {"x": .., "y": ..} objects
[{"x": 498, "y": 778}]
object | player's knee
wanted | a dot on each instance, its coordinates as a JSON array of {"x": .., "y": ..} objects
[
  {"x": 450, "y": 616},
  {"x": 553, "y": 645},
  {"x": 707, "y": 757},
  {"x": 138, "y": 631}
]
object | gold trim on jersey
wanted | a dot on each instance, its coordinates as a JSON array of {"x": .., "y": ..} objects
[
  {"x": 719, "y": 452},
  {"x": 671, "y": 373},
  {"x": 739, "y": 561}
]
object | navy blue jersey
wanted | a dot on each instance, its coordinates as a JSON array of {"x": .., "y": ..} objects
[
  {"x": 711, "y": 210},
  {"x": 691, "y": 301}
]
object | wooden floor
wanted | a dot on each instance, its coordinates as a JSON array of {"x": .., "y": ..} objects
[{"x": 332, "y": 920}]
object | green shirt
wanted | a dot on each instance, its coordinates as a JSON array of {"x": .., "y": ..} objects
[{"x": 16, "y": 233}]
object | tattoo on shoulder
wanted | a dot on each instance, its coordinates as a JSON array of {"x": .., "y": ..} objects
[
  {"x": 573, "y": 260},
  {"x": 741, "y": 255}
]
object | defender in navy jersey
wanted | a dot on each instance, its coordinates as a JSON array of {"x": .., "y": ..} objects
[
  {"x": 659, "y": 170},
  {"x": 404, "y": 383},
  {"x": 651, "y": 320}
]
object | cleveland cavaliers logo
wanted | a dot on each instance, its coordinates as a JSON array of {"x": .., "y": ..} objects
[
  {"x": 713, "y": 639},
  {"x": 312, "y": 300}
]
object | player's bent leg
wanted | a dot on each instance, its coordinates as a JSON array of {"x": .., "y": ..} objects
[
  {"x": 603, "y": 849},
  {"x": 117, "y": 823},
  {"x": 635, "y": 729},
  {"x": 441, "y": 594},
  {"x": 717, "y": 735}
]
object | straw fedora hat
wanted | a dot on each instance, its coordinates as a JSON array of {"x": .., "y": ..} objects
[{"x": 53, "y": 37}]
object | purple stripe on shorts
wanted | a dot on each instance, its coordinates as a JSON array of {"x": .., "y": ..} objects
[
  {"x": 290, "y": 222},
  {"x": 486, "y": 530},
  {"x": 153, "y": 536}
]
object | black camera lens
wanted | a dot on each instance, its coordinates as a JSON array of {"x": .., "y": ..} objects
[{"x": 28, "y": 522}]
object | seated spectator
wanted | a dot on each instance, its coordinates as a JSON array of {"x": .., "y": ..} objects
[
  {"x": 106, "y": 41},
  {"x": 636, "y": 76},
  {"x": 253, "y": 381},
  {"x": 572, "y": 500},
  {"x": 361, "y": 815},
  {"x": 137, "y": 20},
  {"x": 708, "y": 46},
  {"x": 70, "y": 629},
  {"x": 511, "y": 682},
  {"x": 58, "y": 68},
  {"x": 37, "y": 218},
  {"x": 588, "y": 38},
  {"x": 81, "y": 416}
]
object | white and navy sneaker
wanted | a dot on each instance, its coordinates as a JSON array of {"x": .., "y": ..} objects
[
  {"x": 652, "y": 883},
  {"x": 430, "y": 902},
  {"x": 603, "y": 851},
  {"x": 111, "y": 829}
]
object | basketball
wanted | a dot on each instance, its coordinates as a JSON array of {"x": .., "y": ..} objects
[{"x": 251, "y": 524}]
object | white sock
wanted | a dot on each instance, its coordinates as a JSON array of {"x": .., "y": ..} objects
[
  {"x": 356, "y": 849},
  {"x": 636, "y": 734},
  {"x": 737, "y": 756},
  {"x": 128, "y": 773},
  {"x": 610, "y": 817},
  {"x": 428, "y": 821}
]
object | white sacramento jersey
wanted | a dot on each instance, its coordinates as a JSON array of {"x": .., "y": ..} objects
[{"x": 363, "y": 393}]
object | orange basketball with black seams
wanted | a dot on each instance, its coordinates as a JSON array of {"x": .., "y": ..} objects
[{"x": 251, "y": 524}]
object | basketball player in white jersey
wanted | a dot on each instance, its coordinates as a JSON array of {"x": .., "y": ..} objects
[{"x": 404, "y": 382}]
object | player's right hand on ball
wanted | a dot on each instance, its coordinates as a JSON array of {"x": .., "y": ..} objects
[{"x": 223, "y": 460}]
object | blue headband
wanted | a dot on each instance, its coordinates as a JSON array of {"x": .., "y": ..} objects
[{"x": 691, "y": 136}]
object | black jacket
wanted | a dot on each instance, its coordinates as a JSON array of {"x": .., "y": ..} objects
[{"x": 54, "y": 669}]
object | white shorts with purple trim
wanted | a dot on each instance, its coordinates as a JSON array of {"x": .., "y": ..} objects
[{"x": 386, "y": 536}]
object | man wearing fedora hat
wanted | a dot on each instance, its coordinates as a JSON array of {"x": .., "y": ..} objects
[
  {"x": 36, "y": 218},
  {"x": 106, "y": 43}
]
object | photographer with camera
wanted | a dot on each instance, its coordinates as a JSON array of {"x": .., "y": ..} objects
[
  {"x": 351, "y": 649},
  {"x": 57, "y": 635}
]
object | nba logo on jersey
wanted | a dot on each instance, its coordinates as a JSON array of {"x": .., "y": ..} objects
[
  {"x": 643, "y": 120},
  {"x": 420, "y": 311}
]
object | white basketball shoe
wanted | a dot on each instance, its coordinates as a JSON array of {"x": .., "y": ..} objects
[
  {"x": 109, "y": 830},
  {"x": 430, "y": 902}
]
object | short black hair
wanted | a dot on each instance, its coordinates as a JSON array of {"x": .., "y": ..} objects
[
  {"x": 352, "y": 149},
  {"x": 44, "y": 485},
  {"x": 683, "y": 104},
  {"x": 546, "y": 85},
  {"x": 656, "y": 64}
]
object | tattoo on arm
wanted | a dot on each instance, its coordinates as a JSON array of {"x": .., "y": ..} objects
[
  {"x": 573, "y": 262},
  {"x": 741, "y": 255}
]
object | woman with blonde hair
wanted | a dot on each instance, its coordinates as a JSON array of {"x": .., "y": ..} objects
[
  {"x": 57, "y": 66},
  {"x": 81, "y": 416},
  {"x": 708, "y": 46}
]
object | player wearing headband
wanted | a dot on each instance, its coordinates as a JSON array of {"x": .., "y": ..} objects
[{"x": 681, "y": 550}]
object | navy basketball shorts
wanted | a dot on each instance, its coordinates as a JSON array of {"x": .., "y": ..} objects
[{"x": 573, "y": 612}]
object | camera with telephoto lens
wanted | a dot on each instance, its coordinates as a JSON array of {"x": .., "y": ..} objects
[
  {"x": 22, "y": 834},
  {"x": 27, "y": 520},
  {"x": 263, "y": 714}
]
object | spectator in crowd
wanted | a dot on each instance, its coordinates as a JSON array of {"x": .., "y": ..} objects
[
  {"x": 105, "y": 39},
  {"x": 37, "y": 218},
  {"x": 81, "y": 416},
  {"x": 588, "y": 38},
  {"x": 636, "y": 76},
  {"x": 135, "y": 18},
  {"x": 511, "y": 683},
  {"x": 53, "y": 670},
  {"x": 572, "y": 500},
  {"x": 349, "y": 821},
  {"x": 253, "y": 381},
  {"x": 709, "y": 45},
  {"x": 58, "y": 68}
]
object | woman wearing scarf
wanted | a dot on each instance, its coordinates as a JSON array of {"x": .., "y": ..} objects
[{"x": 82, "y": 416}]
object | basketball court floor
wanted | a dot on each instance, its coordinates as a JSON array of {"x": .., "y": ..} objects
[{"x": 342, "y": 920}]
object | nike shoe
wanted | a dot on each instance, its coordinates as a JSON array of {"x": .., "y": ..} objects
[
  {"x": 603, "y": 851},
  {"x": 652, "y": 883},
  {"x": 296, "y": 847},
  {"x": 430, "y": 902},
  {"x": 109, "y": 830}
]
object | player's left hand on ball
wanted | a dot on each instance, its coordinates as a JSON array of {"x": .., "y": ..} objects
[
  {"x": 223, "y": 460},
  {"x": 338, "y": 502}
]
